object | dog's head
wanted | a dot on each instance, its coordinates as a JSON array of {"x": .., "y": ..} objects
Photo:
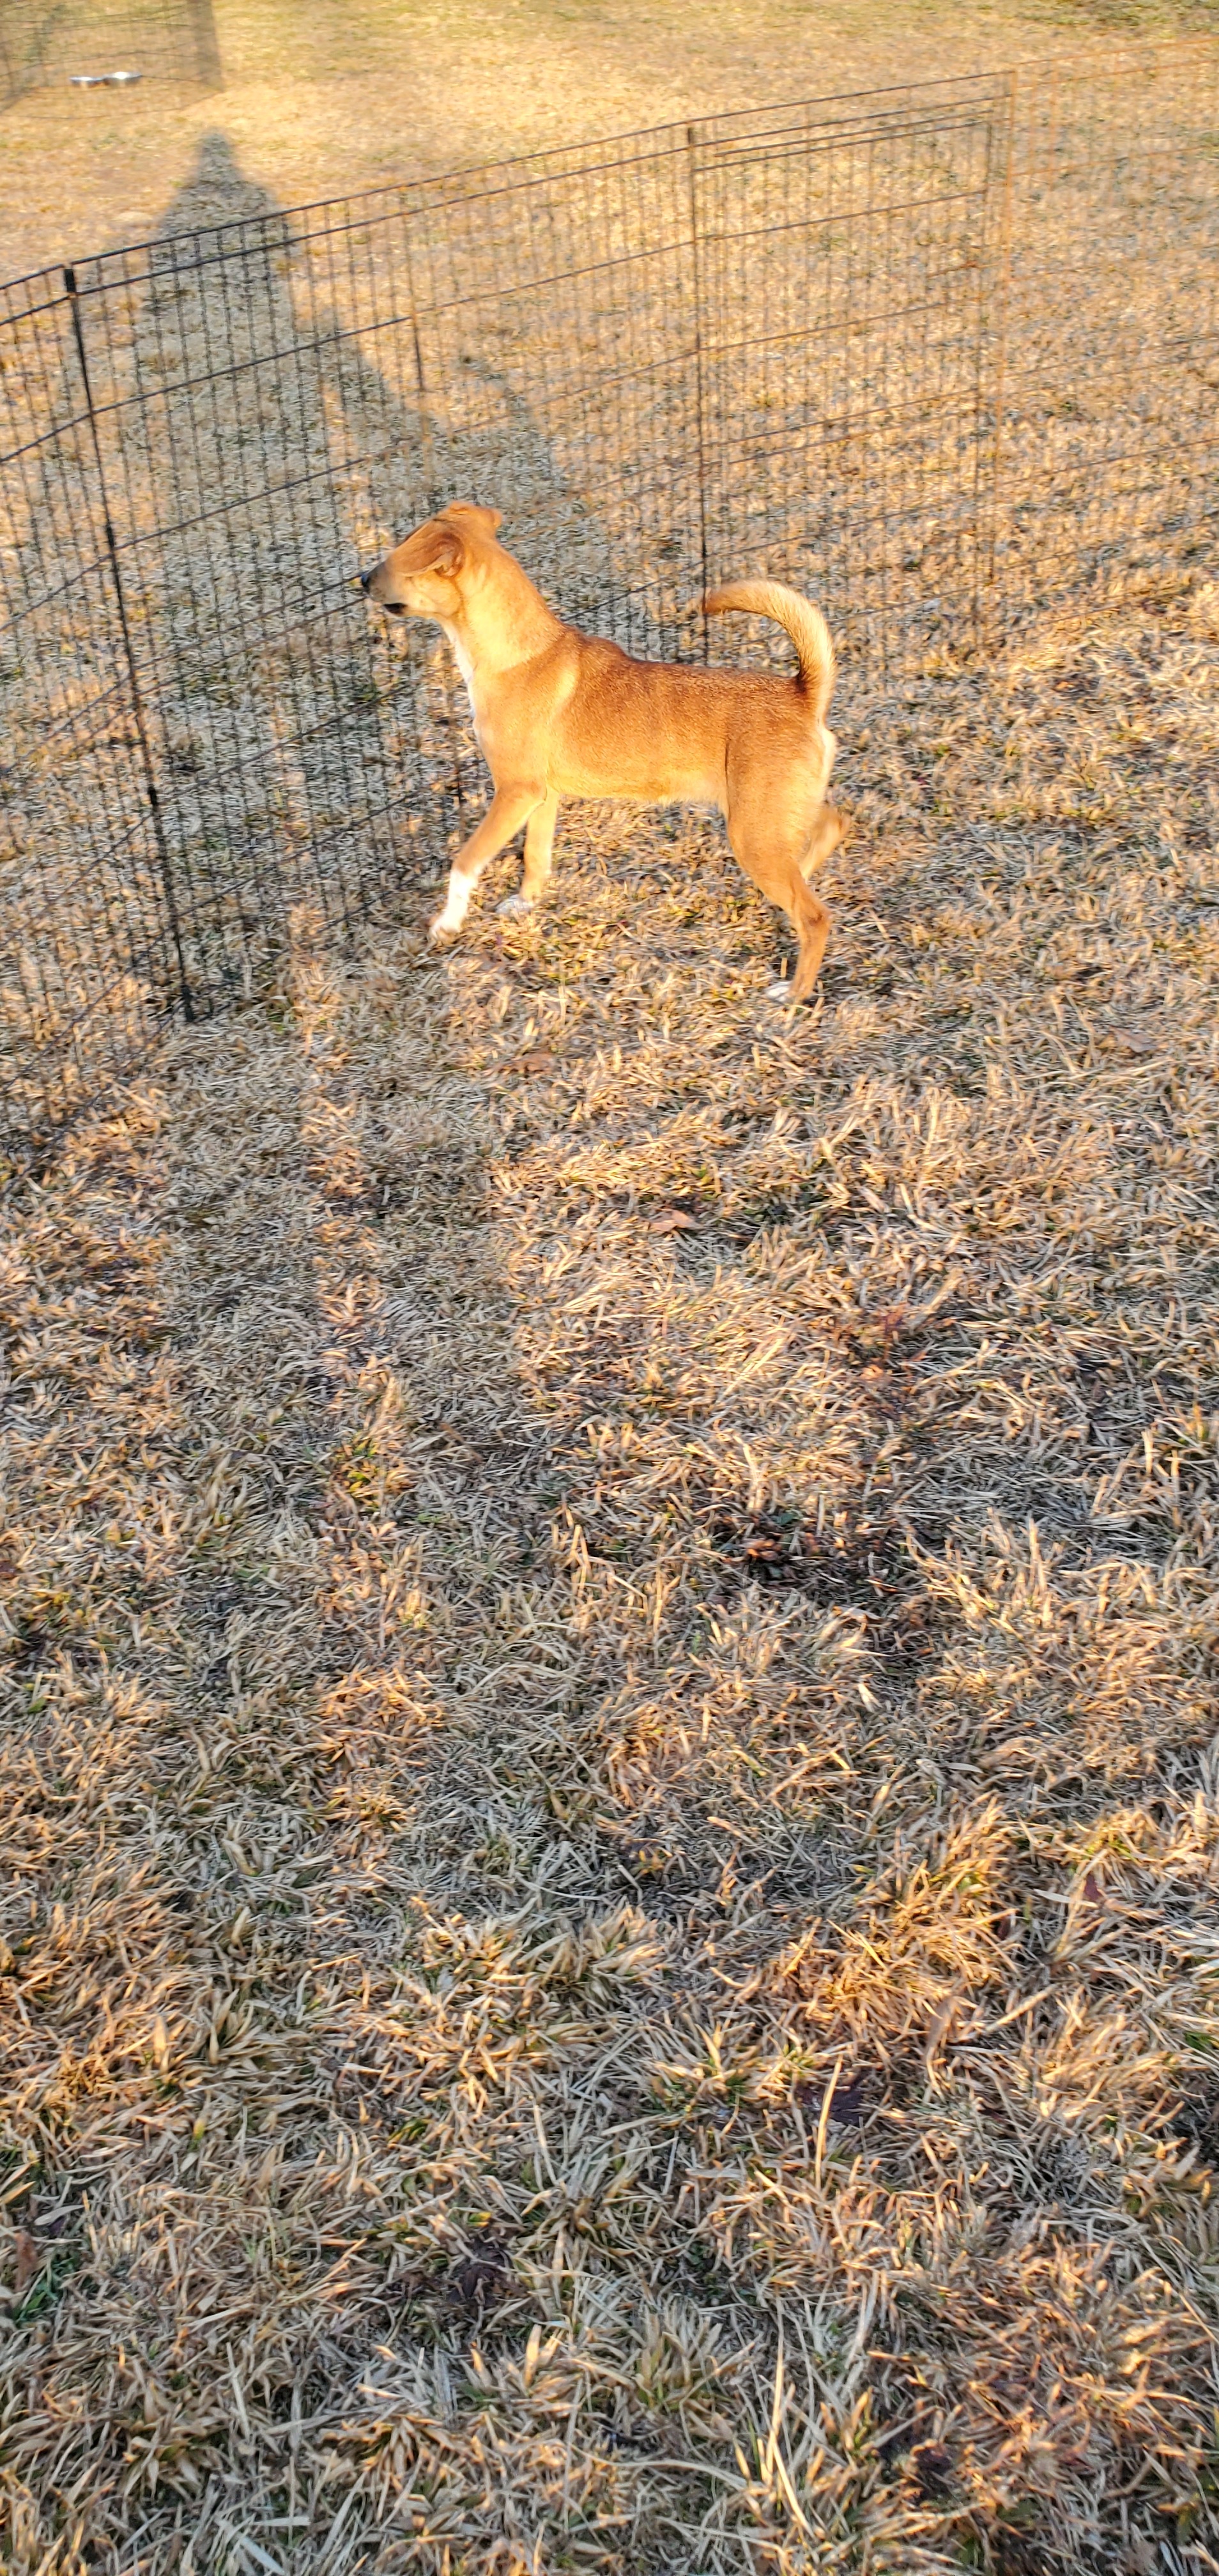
[{"x": 423, "y": 576}]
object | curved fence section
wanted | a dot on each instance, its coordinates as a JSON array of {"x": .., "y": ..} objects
[
  {"x": 46, "y": 42},
  {"x": 893, "y": 348}
]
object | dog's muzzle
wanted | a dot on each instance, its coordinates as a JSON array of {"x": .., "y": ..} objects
[{"x": 392, "y": 607}]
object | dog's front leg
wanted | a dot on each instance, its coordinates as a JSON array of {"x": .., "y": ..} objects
[
  {"x": 539, "y": 855},
  {"x": 509, "y": 808}
]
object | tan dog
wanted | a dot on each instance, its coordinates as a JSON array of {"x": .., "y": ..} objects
[{"x": 558, "y": 713}]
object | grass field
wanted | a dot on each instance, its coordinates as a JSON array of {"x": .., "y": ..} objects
[
  {"x": 322, "y": 99},
  {"x": 609, "y": 1612},
  {"x": 610, "y": 1803}
]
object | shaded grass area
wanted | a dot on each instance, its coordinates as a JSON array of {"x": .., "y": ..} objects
[{"x": 610, "y": 1804}]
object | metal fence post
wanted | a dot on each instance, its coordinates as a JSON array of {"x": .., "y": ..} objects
[
  {"x": 137, "y": 701},
  {"x": 984, "y": 612},
  {"x": 435, "y": 502},
  {"x": 692, "y": 170}
]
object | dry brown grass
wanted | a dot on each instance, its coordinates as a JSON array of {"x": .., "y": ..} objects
[
  {"x": 351, "y": 94},
  {"x": 611, "y": 1795}
]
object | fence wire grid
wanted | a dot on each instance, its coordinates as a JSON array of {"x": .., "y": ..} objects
[
  {"x": 945, "y": 357},
  {"x": 44, "y": 43}
]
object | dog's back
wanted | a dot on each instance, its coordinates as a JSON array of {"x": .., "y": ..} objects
[{"x": 662, "y": 731}]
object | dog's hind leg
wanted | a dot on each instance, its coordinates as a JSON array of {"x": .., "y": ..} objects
[
  {"x": 509, "y": 808},
  {"x": 828, "y": 830},
  {"x": 811, "y": 922},
  {"x": 539, "y": 857},
  {"x": 771, "y": 847}
]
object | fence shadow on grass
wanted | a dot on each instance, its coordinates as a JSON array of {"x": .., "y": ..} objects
[{"x": 234, "y": 733}]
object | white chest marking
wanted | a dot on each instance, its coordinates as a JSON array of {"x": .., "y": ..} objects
[{"x": 466, "y": 668}]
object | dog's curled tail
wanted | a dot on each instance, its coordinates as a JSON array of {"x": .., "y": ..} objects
[{"x": 804, "y": 623}]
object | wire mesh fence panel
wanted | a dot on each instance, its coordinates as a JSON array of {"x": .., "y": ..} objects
[
  {"x": 43, "y": 42},
  {"x": 559, "y": 328},
  {"x": 859, "y": 344},
  {"x": 531, "y": 334},
  {"x": 213, "y": 362},
  {"x": 87, "y": 956},
  {"x": 277, "y": 399},
  {"x": 848, "y": 287},
  {"x": 274, "y": 402},
  {"x": 1109, "y": 446}
]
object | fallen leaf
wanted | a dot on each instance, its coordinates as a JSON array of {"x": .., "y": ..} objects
[
  {"x": 27, "y": 2261},
  {"x": 673, "y": 1221}
]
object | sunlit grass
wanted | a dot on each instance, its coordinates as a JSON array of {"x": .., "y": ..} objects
[{"x": 610, "y": 1809}]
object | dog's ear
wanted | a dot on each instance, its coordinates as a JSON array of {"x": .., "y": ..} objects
[
  {"x": 488, "y": 519},
  {"x": 434, "y": 548}
]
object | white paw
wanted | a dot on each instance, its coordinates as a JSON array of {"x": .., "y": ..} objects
[
  {"x": 456, "y": 905},
  {"x": 514, "y": 906},
  {"x": 780, "y": 991}
]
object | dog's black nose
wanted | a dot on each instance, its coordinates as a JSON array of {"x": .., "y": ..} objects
[{"x": 365, "y": 579}]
